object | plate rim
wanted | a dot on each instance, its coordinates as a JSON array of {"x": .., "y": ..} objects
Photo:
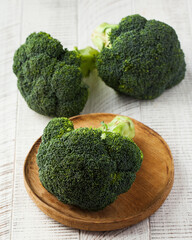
[{"x": 155, "y": 206}]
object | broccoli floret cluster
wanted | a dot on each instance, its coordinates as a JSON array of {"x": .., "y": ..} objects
[
  {"x": 140, "y": 58},
  {"x": 50, "y": 77},
  {"x": 88, "y": 167}
]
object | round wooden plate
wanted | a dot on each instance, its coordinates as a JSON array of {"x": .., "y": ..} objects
[{"x": 153, "y": 183}]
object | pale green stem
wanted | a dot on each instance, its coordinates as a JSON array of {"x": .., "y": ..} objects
[
  {"x": 88, "y": 58},
  {"x": 100, "y": 36},
  {"x": 121, "y": 125}
]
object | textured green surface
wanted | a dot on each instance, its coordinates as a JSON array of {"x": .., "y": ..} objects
[
  {"x": 143, "y": 58},
  {"x": 50, "y": 77},
  {"x": 82, "y": 169}
]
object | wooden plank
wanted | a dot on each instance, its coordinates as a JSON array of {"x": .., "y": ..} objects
[
  {"x": 136, "y": 232},
  {"x": 59, "y": 19},
  {"x": 103, "y": 98},
  {"x": 171, "y": 115},
  {"x": 9, "y": 40},
  {"x": 90, "y": 15},
  {"x": 151, "y": 187}
]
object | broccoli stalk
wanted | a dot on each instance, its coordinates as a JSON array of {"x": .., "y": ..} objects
[
  {"x": 120, "y": 125},
  {"x": 88, "y": 56},
  {"x": 100, "y": 36}
]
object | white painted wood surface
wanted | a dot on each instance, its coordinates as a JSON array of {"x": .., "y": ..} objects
[{"x": 72, "y": 21}]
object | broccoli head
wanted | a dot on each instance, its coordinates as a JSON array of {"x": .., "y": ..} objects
[
  {"x": 50, "y": 77},
  {"x": 88, "y": 167},
  {"x": 138, "y": 57}
]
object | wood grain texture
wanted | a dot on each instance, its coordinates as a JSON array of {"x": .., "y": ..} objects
[
  {"x": 59, "y": 19},
  {"x": 170, "y": 114},
  {"x": 103, "y": 98},
  {"x": 153, "y": 183},
  {"x": 9, "y": 40}
]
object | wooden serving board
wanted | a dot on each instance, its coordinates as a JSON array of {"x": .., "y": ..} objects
[{"x": 153, "y": 183}]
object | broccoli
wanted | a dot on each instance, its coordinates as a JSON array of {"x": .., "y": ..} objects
[
  {"x": 88, "y": 167},
  {"x": 50, "y": 77},
  {"x": 138, "y": 57}
]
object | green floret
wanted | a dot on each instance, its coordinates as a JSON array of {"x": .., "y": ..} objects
[
  {"x": 50, "y": 77},
  {"x": 82, "y": 167},
  {"x": 139, "y": 58},
  {"x": 56, "y": 128}
]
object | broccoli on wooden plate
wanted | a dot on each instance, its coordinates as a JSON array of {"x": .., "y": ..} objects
[
  {"x": 50, "y": 77},
  {"x": 138, "y": 57},
  {"x": 88, "y": 167}
]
